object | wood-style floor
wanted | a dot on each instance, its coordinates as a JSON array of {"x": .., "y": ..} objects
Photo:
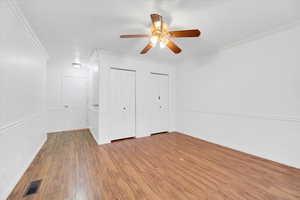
[{"x": 168, "y": 167}]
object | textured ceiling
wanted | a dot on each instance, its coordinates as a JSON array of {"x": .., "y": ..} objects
[{"x": 70, "y": 28}]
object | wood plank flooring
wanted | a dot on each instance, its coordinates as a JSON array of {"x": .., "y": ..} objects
[{"x": 166, "y": 166}]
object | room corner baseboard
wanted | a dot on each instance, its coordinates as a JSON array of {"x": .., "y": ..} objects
[
  {"x": 69, "y": 131},
  {"x": 76, "y": 130}
]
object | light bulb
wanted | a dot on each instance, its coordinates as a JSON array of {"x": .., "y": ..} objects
[
  {"x": 157, "y": 24},
  {"x": 162, "y": 45},
  {"x": 154, "y": 39}
]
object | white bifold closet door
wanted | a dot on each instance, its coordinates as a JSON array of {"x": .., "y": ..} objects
[
  {"x": 160, "y": 103},
  {"x": 122, "y": 103}
]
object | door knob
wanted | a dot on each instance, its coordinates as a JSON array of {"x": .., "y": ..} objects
[
  {"x": 66, "y": 106},
  {"x": 124, "y": 108}
]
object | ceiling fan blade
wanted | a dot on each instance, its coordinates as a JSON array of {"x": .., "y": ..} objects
[
  {"x": 173, "y": 47},
  {"x": 156, "y": 20},
  {"x": 185, "y": 33},
  {"x": 135, "y": 36},
  {"x": 147, "y": 48}
]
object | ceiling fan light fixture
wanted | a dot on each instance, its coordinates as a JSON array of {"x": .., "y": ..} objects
[
  {"x": 159, "y": 32},
  {"x": 162, "y": 44},
  {"x": 154, "y": 40},
  {"x": 157, "y": 24}
]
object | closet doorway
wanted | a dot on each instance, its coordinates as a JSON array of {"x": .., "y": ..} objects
[
  {"x": 122, "y": 103},
  {"x": 159, "y": 103}
]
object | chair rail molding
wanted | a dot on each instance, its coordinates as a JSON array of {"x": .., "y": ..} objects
[
  {"x": 293, "y": 119},
  {"x": 20, "y": 122}
]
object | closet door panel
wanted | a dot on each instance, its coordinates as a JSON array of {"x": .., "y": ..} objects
[
  {"x": 74, "y": 97},
  {"x": 130, "y": 103},
  {"x": 122, "y": 103},
  {"x": 159, "y": 103},
  {"x": 164, "y": 102},
  {"x": 116, "y": 119},
  {"x": 154, "y": 100}
]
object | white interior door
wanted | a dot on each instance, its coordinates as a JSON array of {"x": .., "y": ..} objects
[
  {"x": 122, "y": 104},
  {"x": 74, "y": 98},
  {"x": 160, "y": 103}
]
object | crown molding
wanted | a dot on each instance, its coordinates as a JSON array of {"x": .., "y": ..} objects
[
  {"x": 261, "y": 35},
  {"x": 17, "y": 12},
  {"x": 254, "y": 37}
]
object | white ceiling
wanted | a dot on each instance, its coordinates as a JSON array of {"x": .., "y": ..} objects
[{"x": 70, "y": 28}]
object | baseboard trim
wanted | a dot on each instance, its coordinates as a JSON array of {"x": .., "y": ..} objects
[
  {"x": 165, "y": 132},
  {"x": 68, "y": 131},
  {"x": 76, "y": 130},
  {"x": 122, "y": 139},
  {"x": 26, "y": 167}
]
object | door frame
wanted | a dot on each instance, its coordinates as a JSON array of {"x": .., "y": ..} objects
[
  {"x": 135, "y": 107},
  {"x": 62, "y": 109}
]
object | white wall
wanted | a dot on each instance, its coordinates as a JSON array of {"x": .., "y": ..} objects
[
  {"x": 57, "y": 114},
  {"x": 246, "y": 97},
  {"x": 93, "y": 97},
  {"x": 22, "y": 87},
  {"x": 143, "y": 68}
]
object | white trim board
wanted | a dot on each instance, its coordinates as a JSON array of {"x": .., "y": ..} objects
[{"x": 292, "y": 119}]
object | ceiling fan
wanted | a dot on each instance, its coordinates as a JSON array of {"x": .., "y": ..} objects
[{"x": 160, "y": 33}]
